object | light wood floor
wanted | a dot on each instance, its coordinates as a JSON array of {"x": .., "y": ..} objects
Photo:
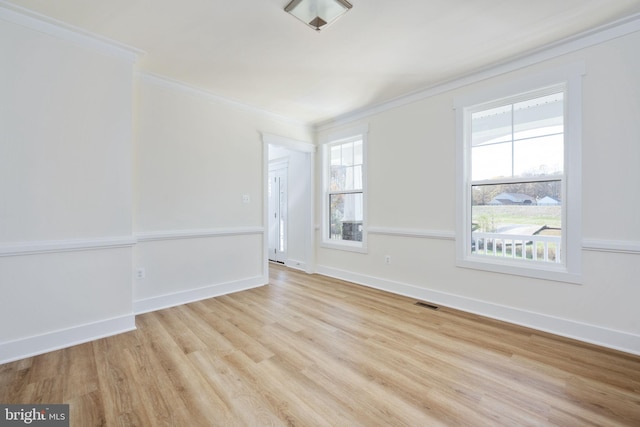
[{"x": 313, "y": 351}]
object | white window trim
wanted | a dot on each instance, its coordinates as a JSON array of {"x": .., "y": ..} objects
[
  {"x": 570, "y": 76},
  {"x": 326, "y": 142}
]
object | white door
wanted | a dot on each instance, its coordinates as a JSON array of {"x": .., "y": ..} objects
[{"x": 278, "y": 213}]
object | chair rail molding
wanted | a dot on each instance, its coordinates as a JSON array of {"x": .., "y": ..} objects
[
  {"x": 150, "y": 236},
  {"x": 69, "y": 245}
]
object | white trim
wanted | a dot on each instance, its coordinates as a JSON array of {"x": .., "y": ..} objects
[
  {"x": 346, "y": 245},
  {"x": 53, "y": 246},
  {"x": 265, "y": 208},
  {"x": 593, "y": 334},
  {"x": 184, "y": 297},
  {"x": 351, "y": 132},
  {"x": 553, "y": 76},
  {"x": 360, "y": 132},
  {"x": 296, "y": 264},
  {"x": 52, "y": 27},
  {"x": 569, "y": 76},
  {"x": 310, "y": 150},
  {"x": 32, "y": 346},
  {"x": 616, "y": 246},
  {"x": 288, "y": 143},
  {"x": 187, "y": 88},
  {"x": 407, "y": 232},
  {"x": 151, "y": 236},
  {"x": 595, "y": 36}
]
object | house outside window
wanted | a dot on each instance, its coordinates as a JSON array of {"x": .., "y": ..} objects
[
  {"x": 518, "y": 183},
  {"x": 344, "y": 218}
]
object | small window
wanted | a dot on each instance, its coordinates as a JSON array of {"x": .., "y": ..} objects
[
  {"x": 344, "y": 204},
  {"x": 518, "y": 213}
]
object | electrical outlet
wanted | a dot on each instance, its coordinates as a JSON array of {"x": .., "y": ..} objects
[
  {"x": 387, "y": 259},
  {"x": 141, "y": 273},
  {"x": 246, "y": 198}
]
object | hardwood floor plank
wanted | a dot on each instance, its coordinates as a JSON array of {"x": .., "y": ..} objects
[
  {"x": 87, "y": 410},
  {"x": 202, "y": 403},
  {"x": 244, "y": 402},
  {"x": 80, "y": 372},
  {"x": 117, "y": 382},
  {"x": 280, "y": 393},
  {"x": 308, "y": 350}
]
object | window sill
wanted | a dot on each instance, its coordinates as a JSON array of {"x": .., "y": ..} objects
[
  {"x": 345, "y": 246},
  {"x": 552, "y": 272}
]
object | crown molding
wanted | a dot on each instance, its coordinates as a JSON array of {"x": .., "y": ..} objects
[
  {"x": 595, "y": 36},
  {"x": 52, "y": 27}
]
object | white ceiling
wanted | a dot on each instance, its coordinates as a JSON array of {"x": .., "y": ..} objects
[{"x": 253, "y": 52}]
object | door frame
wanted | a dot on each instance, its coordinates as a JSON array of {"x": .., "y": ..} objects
[{"x": 310, "y": 150}]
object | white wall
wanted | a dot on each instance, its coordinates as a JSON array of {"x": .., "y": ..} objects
[
  {"x": 102, "y": 174},
  {"x": 195, "y": 158},
  {"x": 65, "y": 189},
  {"x": 412, "y": 193}
]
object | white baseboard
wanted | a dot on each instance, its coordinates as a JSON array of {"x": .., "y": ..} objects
[
  {"x": 298, "y": 265},
  {"x": 605, "y": 337},
  {"x": 39, "y": 344},
  {"x": 184, "y": 297}
]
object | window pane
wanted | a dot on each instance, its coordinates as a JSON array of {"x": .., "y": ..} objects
[
  {"x": 338, "y": 177},
  {"x": 346, "y": 216},
  {"x": 491, "y": 161},
  {"x": 336, "y": 155},
  {"x": 357, "y": 177},
  {"x": 347, "y": 154},
  {"x": 539, "y": 116},
  {"x": 491, "y": 126},
  {"x": 521, "y": 139},
  {"x": 538, "y": 156},
  {"x": 358, "y": 157},
  {"x": 348, "y": 182},
  {"x": 344, "y": 178},
  {"x": 517, "y": 221}
]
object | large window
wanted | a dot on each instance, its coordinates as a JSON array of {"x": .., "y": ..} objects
[
  {"x": 519, "y": 209},
  {"x": 344, "y": 193}
]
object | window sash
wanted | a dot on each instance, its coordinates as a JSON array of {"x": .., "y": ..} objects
[
  {"x": 351, "y": 184},
  {"x": 507, "y": 106},
  {"x": 568, "y": 80}
]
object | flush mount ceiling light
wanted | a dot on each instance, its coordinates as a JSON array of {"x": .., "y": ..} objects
[{"x": 318, "y": 13}]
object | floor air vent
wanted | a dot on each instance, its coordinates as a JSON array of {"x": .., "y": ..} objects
[{"x": 427, "y": 305}]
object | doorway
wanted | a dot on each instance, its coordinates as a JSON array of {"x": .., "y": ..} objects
[
  {"x": 277, "y": 194},
  {"x": 289, "y": 235}
]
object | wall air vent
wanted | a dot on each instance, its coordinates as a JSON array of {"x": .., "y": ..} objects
[{"x": 427, "y": 305}]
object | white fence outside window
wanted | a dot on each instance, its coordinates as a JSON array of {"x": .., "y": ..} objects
[{"x": 536, "y": 248}]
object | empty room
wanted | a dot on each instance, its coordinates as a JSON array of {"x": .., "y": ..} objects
[{"x": 319, "y": 213}]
